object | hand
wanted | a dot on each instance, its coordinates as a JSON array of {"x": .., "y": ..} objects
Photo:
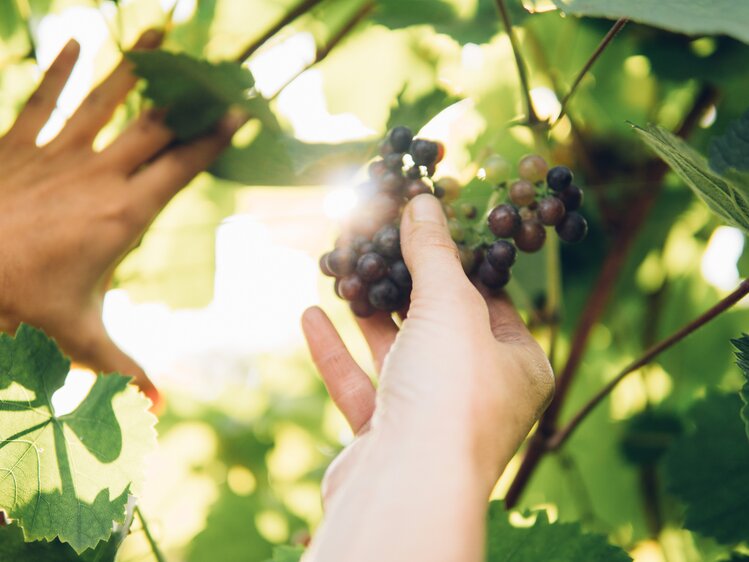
[
  {"x": 461, "y": 384},
  {"x": 68, "y": 214}
]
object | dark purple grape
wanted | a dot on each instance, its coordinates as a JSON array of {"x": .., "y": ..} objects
[
  {"x": 522, "y": 193},
  {"x": 414, "y": 173},
  {"x": 501, "y": 255},
  {"x": 352, "y": 288},
  {"x": 572, "y": 197},
  {"x": 400, "y": 138},
  {"x": 559, "y": 177},
  {"x": 416, "y": 187},
  {"x": 573, "y": 228},
  {"x": 362, "y": 308},
  {"x": 385, "y": 295},
  {"x": 439, "y": 192},
  {"x": 531, "y": 236},
  {"x": 357, "y": 243},
  {"x": 386, "y": 148},
  {"x": 387, "y": 242},
  {"x": 493, "y": 278},
  {"x": 366, "y": 248},
  {"x": 424, "y": 152},
  {"x": 371, "y": 267},
  {"x": 551, "y": 211},
  {"x": 324, "y": 268},
  {"x": 504, "y": 221},
  {"x": 400, "y": 275},
  {"x": 342, "y": 261},
  {"x": 392, "y": 182},
  {"x": 377, "y": 168},
  {"x": 394, "y": 161}
]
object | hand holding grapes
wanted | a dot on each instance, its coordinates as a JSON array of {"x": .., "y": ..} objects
[
  {"x": 461, "y": 383},
  {"x": 69, "y": 214}
]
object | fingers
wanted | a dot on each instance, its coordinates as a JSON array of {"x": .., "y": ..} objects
[
  {"x": 349, "y": 387},
  {"x": 506, "y": 324},
  {"x": 43, "y": 101},
  {"x": 379, "y": 331},
  {"x": 98, "y": 107},
  {"x": 140, "y": 142},
  {"x": 157, "y": 183},
  {"x": 428, "y": 250}
]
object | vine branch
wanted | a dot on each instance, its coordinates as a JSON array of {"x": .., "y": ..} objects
[
  {"x": 561, "y": 436},
  {"x": 507, "y": 22},
  {"x": 149, "y": 537},
  {"x": 615, "y": 29}
]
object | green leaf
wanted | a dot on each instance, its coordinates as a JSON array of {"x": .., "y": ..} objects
[
  {"x": 707, "y": 469},
  {"x": 288, "y": 553},
  {"x": 561, "y": 542},
  {"x": 196, "y": 93},
  {"x": 731, "y": 149},
  {"x": 742, "y": 360},
  {"x": 693, "y": 17},
  {"x": 416, "y": 113},
  {"x": 68, "y": 476},
  {"x": 648, "y": 435},
  {"x": 727, "y": 200}
]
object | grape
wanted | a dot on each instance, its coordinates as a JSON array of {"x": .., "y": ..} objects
[
  {"x": 573, "y": 228},
  {"x": 414, "y": 173},
  {"x": 522, "y": 193},
  {"x": 501, "y": 255},
  {"x": 468, "y": 211},
  {"x": 400, "y": 138},
  {"x": 440, "y": 153},
  {"x": 385, "y": 295},
  {"x": 431, "y": 168},
  {"x": 377, "y": 168},
  {"x": 416, "y": 187},
  {"x": 504, "y": 221},
  {"x": 533, "y": 168},
  {"x": 394, "y": 161},
  {"x": 392, "y": 182},
  {"x": 362, "y": 308},
  {"x": 493, "y": 278},
  {"x": 551, "y": 211},
  {"x": 424, "y": 152},
  {"x": 456, "y": 230},
  {"x": 351, "y": 287},
  {"x": 572, "y": 197},
  {"x": 400, "y": 275},
  {"x": 497, "y": 169},
  {"x": 386, "y": 148},
  {"x": 366, "y": 248},
  {"x": 341, "y": 261},
  {"x": 387, "y": 241},
  {"x": 439, "y": 192},
  {"x": 371, "y": 267},
  {"x": 451, "y": 186},
  {"x": 324, "y": 268},
  {"x": 467, "y": 258},
  {"x": 559, "y": 177},
  {"x": 531, "y": 236},
  {"x": 357, "y": 242}
]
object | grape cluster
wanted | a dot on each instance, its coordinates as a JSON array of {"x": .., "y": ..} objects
[{"x": 366, "y": 262}]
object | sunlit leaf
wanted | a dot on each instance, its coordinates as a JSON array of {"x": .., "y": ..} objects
[
  {"x": 68, "y": 476},
  {"x": 731, "y": 149}
]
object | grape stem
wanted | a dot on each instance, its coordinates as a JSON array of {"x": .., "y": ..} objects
[
  {"x": 149, "y": 537},
  {"x": 599, "y": 297},
  {"x": 615, "y": 29},
  {"x": 533, "y": 119},
  {"x": 560, "y": 437}
]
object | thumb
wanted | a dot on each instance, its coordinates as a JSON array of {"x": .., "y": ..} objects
[{"x": 428, "y": 250}]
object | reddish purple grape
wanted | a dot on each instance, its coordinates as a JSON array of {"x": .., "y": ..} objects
[
  {"x": 352, "y": 288},
  {"x": 573, "y": 228},
  {"x": 387, "y": 242},
  {"x": 362, "y": 308},
  {"x": 377, "y": 168},
  {"x": 551, "y": 211},
  {"x": 341, "y": 261},
  {"x": 522, "y": 193},
  {"x": 371, "y": 267},
  {"x": 324, "y": 268},
  {"x": 392, "y": 182},
  {"x": 493, "y": 278},
  {"x": 416, "y": 187},
  {"x": 572, "y": 197},
  {"x": 501, "y": 255},
  {"x": 504, "y": 221},
  {"x": 394, "y": 161},
  {"x": 531, "y": 236}
]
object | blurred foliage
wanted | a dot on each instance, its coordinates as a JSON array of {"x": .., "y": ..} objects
[{"x": 240, "y": 462}]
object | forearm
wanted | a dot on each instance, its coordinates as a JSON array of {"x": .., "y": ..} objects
[{"x": 409, "y": 498}]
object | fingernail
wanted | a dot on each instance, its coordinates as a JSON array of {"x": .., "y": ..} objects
[
  {"x": 233, "y": 120},
  {"x": 427, "y": 208}
]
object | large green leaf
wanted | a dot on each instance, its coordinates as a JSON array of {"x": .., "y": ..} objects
[
  {"x": 68, "y": 476},
  {"x": 731, "y": 149},
  {"x": 196, "y": 93},
  {"x": 561, "y": 542},
  {"x": 707, "y": 469},
  {"x": 742, "y": 359},
  {"x": 693, "y": 17},
  {"x": 727, "y": 199}
]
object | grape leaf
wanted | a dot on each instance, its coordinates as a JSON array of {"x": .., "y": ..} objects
[
  {"x": 742, "y": 359},
  {"x": 67, "y": 476},
  {"x": 287, "y": 553},
  {"x": 693, "y": 17},
  {"x": 726, "y": 199},
  {"x": 196, "y": 93},
  {"x": 707, "y": 469},
  {"x": 731, "y": 149},
  {"x": 561, "y": 542}
]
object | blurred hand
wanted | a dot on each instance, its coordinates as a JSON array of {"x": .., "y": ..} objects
[
  {"x": 460, "y": 385},
  {"x": 68, "y": 214}
]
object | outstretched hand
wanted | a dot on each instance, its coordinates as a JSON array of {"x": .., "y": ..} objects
[
  {"x": 69, "y": 214},
  {"x": 460, "y": 385}
]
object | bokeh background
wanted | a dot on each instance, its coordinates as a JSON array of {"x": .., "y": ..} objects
[{"x": 210, "y": 301}]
